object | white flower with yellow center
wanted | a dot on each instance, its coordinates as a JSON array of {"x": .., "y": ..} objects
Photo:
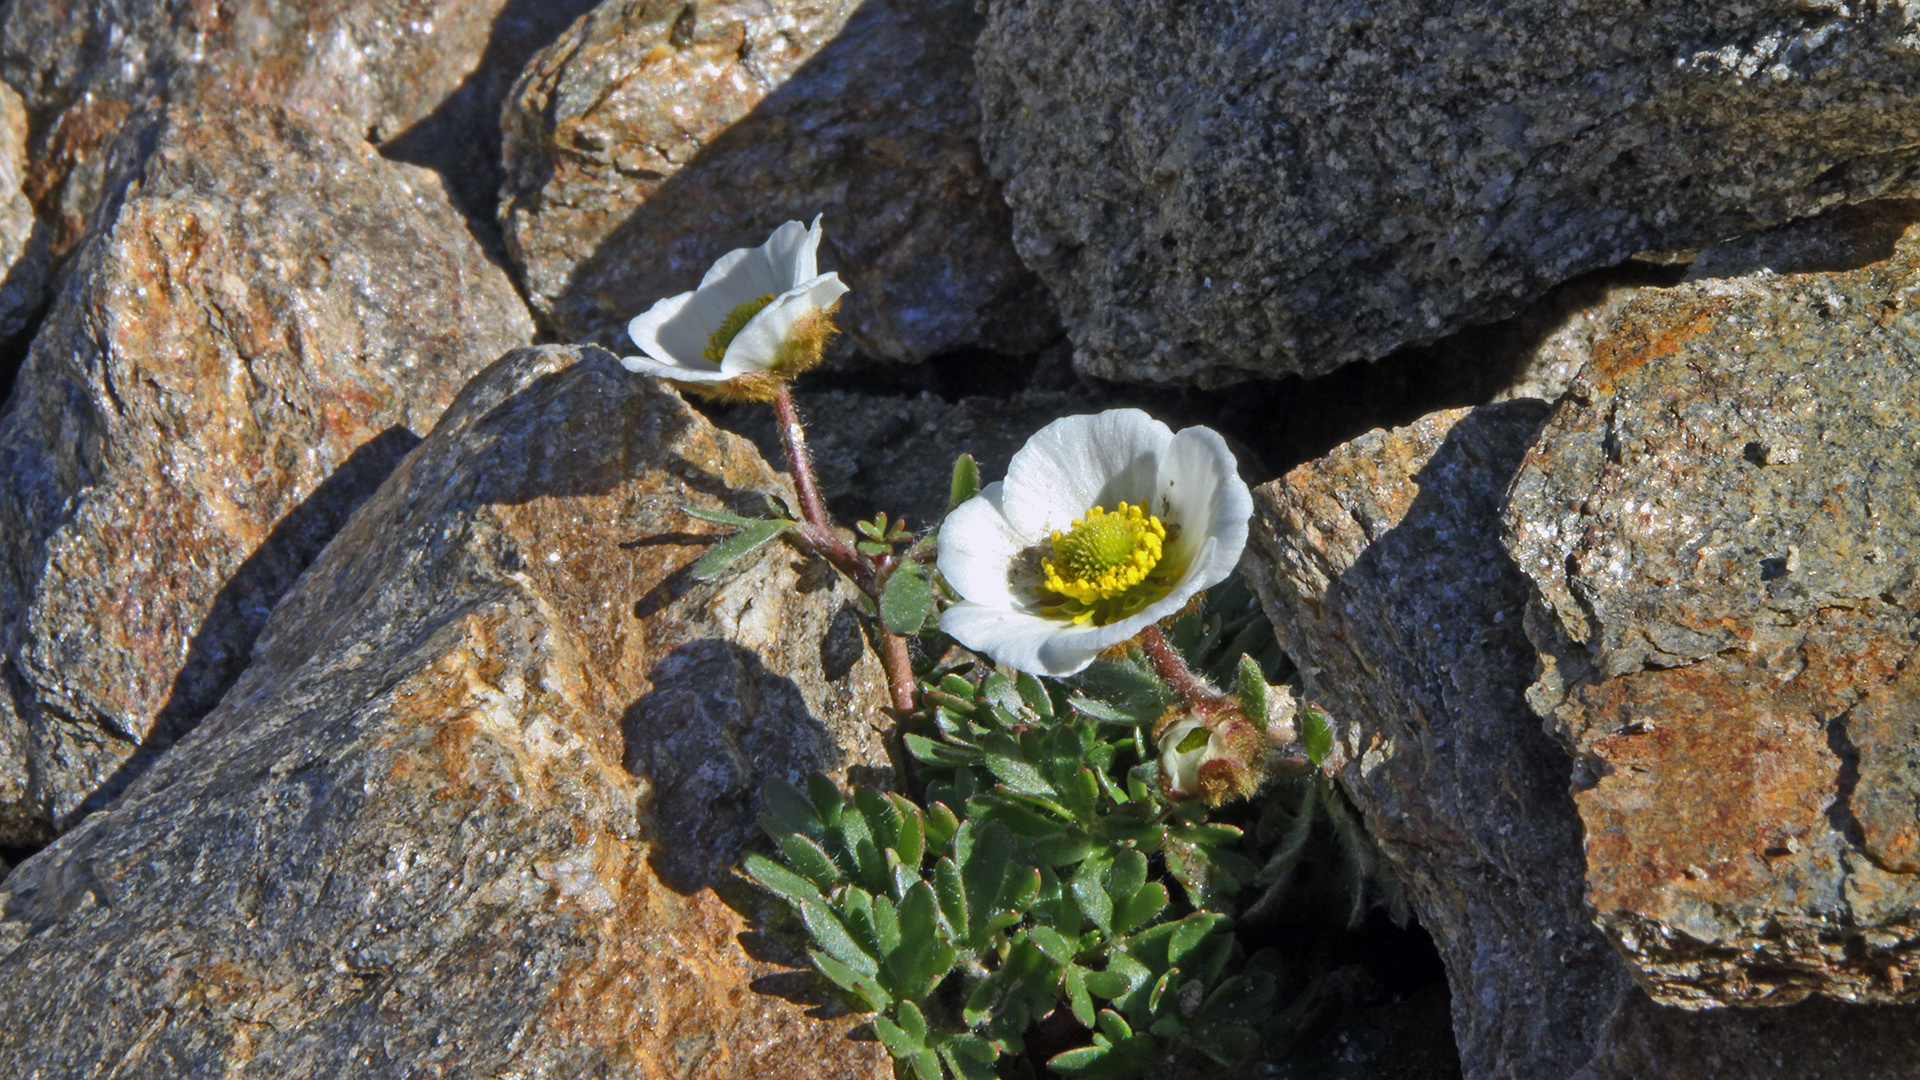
[
  {"x": 760, "y": 316},
  {"x": 1104, "y": 526}
]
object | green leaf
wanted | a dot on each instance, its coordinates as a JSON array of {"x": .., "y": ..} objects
[
  {"x": 952, "y": 895},
  {"x": 719, "y": 517},
  {"x": 941, "y": 825},
  {"x": 1019, "y": 775},
  {"x": 1093, "y": 898},
  {"x": 1054, "y": 944},
  {"x": 910, "y": 832},
  {"x": 969, "y": 1056},
  {"x": 912, "y": 1021},
  {"x": 926, "y": 1065},
  {"x": 722, "y": 555},
  {"x": 906, "y": 601},
  {"x": 790, "y": 886},
  {"x": 864, "y": 987},
  {"x": 918, "y": 917},
  {"x": 810, "y": 859},
  {"x": 1106, "y": 984},
  {"x": 1147, "y": 901},
  {"x": 1136, "y": 692},
  {"x": 878, "y": 811},
  {"x": 966, "y": 481},
  {"x": 873, "y": 547},
  {"x": 985, "y": 870},
  {"x": 787, "y": 810},
  {"x": 1316, "y": 733},
  {"x": 898, "y": 1043},
  {"x": 1077, "y": 995},
  {"x": 1190, "y": 931},
  {"x": 1252, "y": 686},
  {"x": 886, "y": 925},
  {"x": 832, "y": 936},
  {"x": 1034, "y": 695},
  {"x": 826, "y": 800},
  {"x": 1128, "y": 873}
]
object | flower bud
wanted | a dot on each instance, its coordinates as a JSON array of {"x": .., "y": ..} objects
[{"x": 1216, "y": 758}]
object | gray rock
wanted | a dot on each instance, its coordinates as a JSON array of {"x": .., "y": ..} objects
[
  {"x": 1720, "y": 524},
  {"x": 653, "y": 137},
  {"x": 1382, "y": 568},
  {"x": 265, "y": 320},
  {"x": 1236, "y": 189},
  {"x": 361, "y": 69},
  {"x": 406, "y": 844},
  {"x": 23, "y": 240}
]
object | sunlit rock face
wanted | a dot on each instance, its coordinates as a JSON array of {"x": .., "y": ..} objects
[{"x": 474, "y": 806}]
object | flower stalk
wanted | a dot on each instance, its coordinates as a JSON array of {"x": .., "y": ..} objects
[{"x": 870, "y": 574}]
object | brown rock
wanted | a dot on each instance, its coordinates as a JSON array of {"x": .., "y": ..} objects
[
  {"x": 266, "y": 320},
  {"x": 653, "y": 137},
  {"x": 1720, "y": 524},
  {"x": 362, "y": 69},
  {"x": 406, "y": 844},
  {"x": 1382, "y": 569},
  {"x": 23, "y": 240}
]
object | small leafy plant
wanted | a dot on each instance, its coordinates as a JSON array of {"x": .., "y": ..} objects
[{"x": 1022, "y": 905}]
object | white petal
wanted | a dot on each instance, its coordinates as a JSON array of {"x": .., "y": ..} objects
[
  {"x": 1079, "y": 462},
  {"x": 666, "y": 332},
  {"x": 1200, "y": 490},
  {"x": 1025, "y": 642},
  {"x": 644, "y": 365},
  {"x": 745, "y": 274},
  {"x": 758, "y": 342},
  {"x": 978, "y": 548}
]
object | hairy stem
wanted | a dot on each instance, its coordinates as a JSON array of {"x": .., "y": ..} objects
[
  {"x": 795, "y": 439},
  {"x": 818, "y": 533},
  {"x": 900, "y": 682},
  {"x": 1167, "y": 663}
]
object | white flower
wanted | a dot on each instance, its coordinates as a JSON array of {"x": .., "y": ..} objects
[
  {"x": 1104, "y": 525},
  {"x": 760, "y": 315}
]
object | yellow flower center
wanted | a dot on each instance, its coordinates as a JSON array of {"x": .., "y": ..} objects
[
  {"x": 1103, "y": 565},
  {"x": 730, "y": 327}
]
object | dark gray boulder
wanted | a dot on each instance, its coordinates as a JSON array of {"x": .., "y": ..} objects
[{"x": 1230, "y": 189}]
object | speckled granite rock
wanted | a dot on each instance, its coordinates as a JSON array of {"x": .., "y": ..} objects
[
  {"x": 1382, "y": 569},
  {"x": 362, "y": 69},
  {"x": 1721, "y": 524},
  {"x": 23, "y": 240},
  {"x": 406, "y": 844},
  {"x": 1240, "y": 188},
  {"x": 653, "y": 137},
  {"x": 265, "y": 321}
]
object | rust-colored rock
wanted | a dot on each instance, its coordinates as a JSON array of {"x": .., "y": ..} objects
[
  {"x": 1382, "y": 567},
  {"x": 266, "y": 320},
  {"x": 23, "y": 240},
  {"x": 361, "y": 69},
  {"x": 406, "y": 844},
  {"x": 653, "y": 137},
  {"x": 1720, "y": 524}
]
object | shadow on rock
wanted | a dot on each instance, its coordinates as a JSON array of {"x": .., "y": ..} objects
[
  {"x": 223, "y": 645},
  {"x": 460, "y": 139},
  {"x": 716, "y": 725}
]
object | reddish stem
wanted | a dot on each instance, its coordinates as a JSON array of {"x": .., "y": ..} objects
[
  {"x": 817, "y": 531},
  {"x": 1173, "y": 671},
  {"x": 795, "y": 438}
]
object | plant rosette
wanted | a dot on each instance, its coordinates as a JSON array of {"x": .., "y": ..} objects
[
  {"x": 1104, "y": 525},
  {"x": 760, "y": 317}
]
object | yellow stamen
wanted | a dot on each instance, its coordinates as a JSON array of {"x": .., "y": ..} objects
[
  {"x": 730, "y": 327},
  {"x": 1103, "y": 565}
]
